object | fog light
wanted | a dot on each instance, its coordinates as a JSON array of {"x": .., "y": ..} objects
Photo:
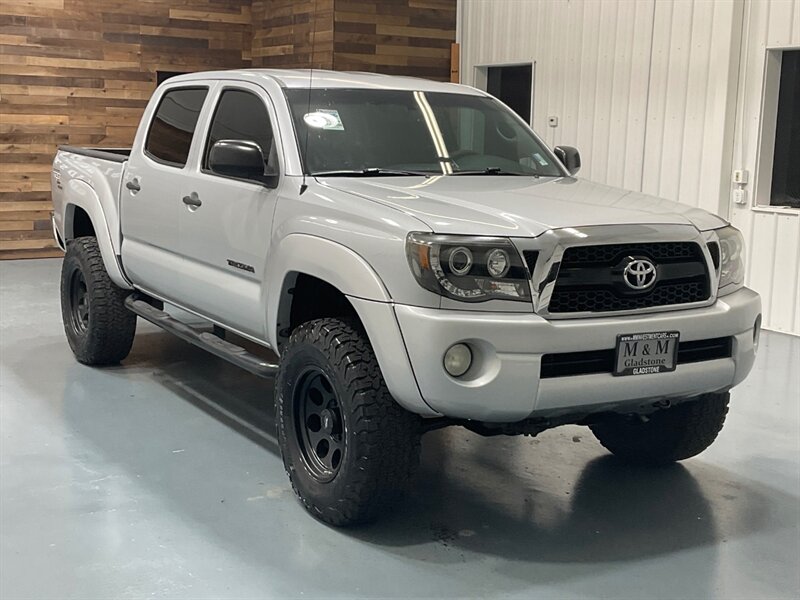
[{"x": 457, "y": 359}]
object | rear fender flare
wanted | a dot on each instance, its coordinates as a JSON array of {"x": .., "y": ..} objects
[{"x": 80, "y": 194}]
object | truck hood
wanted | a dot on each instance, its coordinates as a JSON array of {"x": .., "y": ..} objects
[{"x": 518, "y": 206}]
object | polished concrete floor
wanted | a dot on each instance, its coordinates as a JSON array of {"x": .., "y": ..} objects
[{"x": 160, "y": 478}]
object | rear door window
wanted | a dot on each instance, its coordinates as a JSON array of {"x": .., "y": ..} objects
[{"x": 173, "y": 125}]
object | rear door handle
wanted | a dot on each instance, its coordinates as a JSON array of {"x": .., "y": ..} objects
[
  {"x": 192, "y": 200},
  {"x": 133, "y": 185}
]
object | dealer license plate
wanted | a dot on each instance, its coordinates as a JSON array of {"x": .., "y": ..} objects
[{"x": 646, "y": 353}]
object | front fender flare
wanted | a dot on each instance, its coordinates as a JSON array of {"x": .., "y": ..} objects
[
  {"x": 347, "y": 271},
  {"x": 329, "y": 261}
]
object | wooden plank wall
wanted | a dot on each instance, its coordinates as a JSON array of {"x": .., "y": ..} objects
[
  {"x": 397, "y": 37},
  {"x": 81, "y": 72},
  {"x": 282, "y": 32}
]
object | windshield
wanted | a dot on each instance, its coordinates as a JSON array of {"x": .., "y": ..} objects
[{"x": 398, "y": 132}]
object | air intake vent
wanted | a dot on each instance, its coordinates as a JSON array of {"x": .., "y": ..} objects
[
  {"x": 530, "y": 256},
  {"x": 713, "y": 249},
  {"x": 568, "y": 364}
]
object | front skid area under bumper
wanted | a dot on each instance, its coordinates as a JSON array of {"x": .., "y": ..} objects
[{"x": 504, "y": 384}]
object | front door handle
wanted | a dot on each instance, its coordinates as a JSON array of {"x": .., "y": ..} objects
[
  {"x": 192, "y": 200},
  {"x": 133, "y": 185}
]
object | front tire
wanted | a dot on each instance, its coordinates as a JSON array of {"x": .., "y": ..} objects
[
  {"x": 349, "y": 449},
  {"x": 99, "y": 328},
  {"x": 667, "y": 436}
]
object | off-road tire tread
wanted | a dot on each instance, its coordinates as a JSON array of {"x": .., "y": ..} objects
[
  {"x": 389, "y": 436},
  {"x": 670, "y": 435},
  {"x": 112, "y": 327}
]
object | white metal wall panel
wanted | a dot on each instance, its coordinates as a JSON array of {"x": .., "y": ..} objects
[
  {"x": 591, "y": 70},
  {"x": 637, "y": 86},
  {"x": 773, "y": 236},
  {"x": 692, "y": 91}
]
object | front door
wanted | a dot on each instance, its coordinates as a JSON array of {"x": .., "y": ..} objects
[
  {"x": 226, "y": 222},
  {"x": 150, "y": 200}
]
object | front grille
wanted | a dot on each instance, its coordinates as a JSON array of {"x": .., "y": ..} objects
[
  {"x": 578, "y": 255},
  {"x": 591, "y": 362},
  {"x": 590, "y": 278}
]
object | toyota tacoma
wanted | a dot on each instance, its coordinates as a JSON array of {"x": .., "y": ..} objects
[{"x": 417, "y": 258}]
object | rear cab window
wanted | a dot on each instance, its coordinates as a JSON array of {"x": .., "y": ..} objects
[{"x": 174, "y": 122}]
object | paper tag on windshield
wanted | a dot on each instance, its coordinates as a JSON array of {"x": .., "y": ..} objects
[
  {"x": 323, "y": 118},
  {"x": 539, "y": 159}
]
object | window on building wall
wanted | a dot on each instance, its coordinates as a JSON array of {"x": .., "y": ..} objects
[
  {"x": 513, "y": 85},
  {"x": 162, "y": 76},
  {"x": 786, "y": 158}
]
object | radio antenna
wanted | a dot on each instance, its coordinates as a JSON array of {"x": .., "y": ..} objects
[{"x": 304, "y": 185}]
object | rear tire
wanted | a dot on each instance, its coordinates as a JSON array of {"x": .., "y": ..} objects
[
  {"x": 99, "y": 328},
  {"x": 668, "y": 435},
  {"x": 349, "y": 449}
]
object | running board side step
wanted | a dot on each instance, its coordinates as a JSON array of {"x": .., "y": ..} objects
[{"x": 205, "y": 340}]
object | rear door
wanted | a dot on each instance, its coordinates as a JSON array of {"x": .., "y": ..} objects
[
  {"x": 151, "y": 192},
  {"x": 226, "y": 229}
]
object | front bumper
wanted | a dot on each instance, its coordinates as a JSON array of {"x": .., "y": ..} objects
[{"x": 504, "y": 384}]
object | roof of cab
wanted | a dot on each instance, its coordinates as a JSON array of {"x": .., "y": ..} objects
[{"x": 320, "y": 78}]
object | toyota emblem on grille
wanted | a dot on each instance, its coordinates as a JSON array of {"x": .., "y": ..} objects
[{"x": 639, "y": 273}]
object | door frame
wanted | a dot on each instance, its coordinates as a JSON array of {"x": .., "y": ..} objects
[{"x": 481, "y": 76}]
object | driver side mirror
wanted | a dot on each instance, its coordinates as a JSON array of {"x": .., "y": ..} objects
[
  {"x": 241, "y": 159},
  {"x": 569, "y": 157}
]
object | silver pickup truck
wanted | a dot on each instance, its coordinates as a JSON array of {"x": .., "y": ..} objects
[{"x": 417, "y": 258}]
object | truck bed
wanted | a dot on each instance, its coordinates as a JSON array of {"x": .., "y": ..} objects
[{"x": 112, "y": 154}]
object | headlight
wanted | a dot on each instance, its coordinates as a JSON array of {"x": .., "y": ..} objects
[
  {"x": 466, "y": 268},
  {"x": 731, "y": 260}
]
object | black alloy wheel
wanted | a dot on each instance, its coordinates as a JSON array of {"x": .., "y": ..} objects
[
  {"x": 319, "y": 423},
  {"x": 79, "y": 302}
]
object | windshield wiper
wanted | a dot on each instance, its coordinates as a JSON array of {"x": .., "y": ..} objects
[
  {"x": 371, "y": 172},
  {"x": 490, "y": 171}
]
